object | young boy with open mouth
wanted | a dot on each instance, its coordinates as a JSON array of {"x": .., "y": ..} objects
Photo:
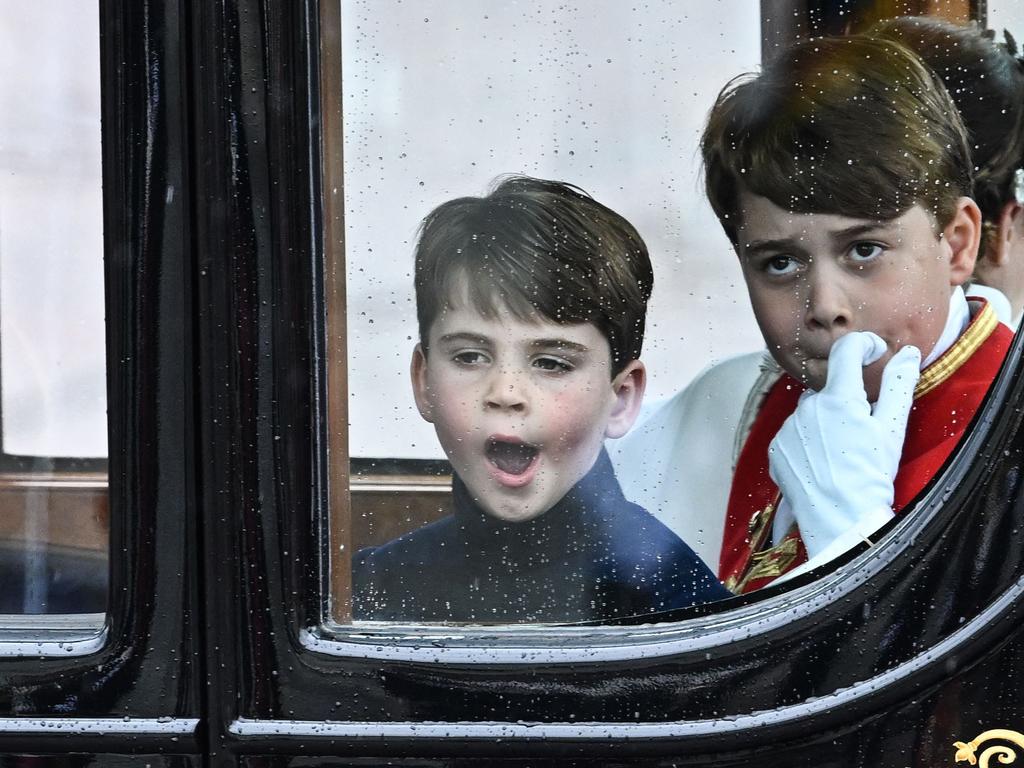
[{"x": 531, "y": 304}]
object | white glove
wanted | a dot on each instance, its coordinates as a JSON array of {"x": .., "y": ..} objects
[{"x": 836, "y": 457}]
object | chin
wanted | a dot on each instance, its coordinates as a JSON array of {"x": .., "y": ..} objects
[
  {"x": 812, "y": 373},
  {"x": 512, "y": 514}
]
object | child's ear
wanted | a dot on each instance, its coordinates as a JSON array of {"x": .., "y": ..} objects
[
  {"x": 628, "y": 388},
  {"x": 963, "y": 235},
  {"x": 1001, "y": 243},
  {"x": 420, "y": 389}
]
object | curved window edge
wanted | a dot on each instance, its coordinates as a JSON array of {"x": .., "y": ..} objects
[
  {"x": 716, "y": 625},
  {"x": 941, "y": 656}
]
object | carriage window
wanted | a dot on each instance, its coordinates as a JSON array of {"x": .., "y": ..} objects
[
  {"x": 492, "y": 347},
  {"x": 53, "y": 429},
  {"x": 439, "y": 101},
  {"x": 1005, "y": 14}
]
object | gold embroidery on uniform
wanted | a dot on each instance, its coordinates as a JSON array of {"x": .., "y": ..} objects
[
  {"x": 758, "y": 522},
  {"x": 965, "y": 752},
  {"x": 757, "y": 529},
  {"x": 770, "y": 562},
  {"x": 949, "y": 362}
]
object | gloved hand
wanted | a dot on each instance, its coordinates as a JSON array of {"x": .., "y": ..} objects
[{"x": 836, "y": 457}]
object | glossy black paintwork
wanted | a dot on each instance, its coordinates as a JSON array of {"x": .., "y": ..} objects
[
  {"x": 256, "y": 169},
  {"x": 211, "y": 156},
  {"x": 35, "y": 760}
]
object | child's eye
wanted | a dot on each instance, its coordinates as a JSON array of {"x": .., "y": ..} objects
[
  {"x": 866, "y": 251},
  {"x": 470, "y": 357},
  {"x": 780, "y": 265},
  {"x": 552, "y": 364}
]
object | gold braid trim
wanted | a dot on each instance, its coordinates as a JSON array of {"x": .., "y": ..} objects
[{"x": 970, "y": 340}]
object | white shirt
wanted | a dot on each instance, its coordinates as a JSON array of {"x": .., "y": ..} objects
[{"x": 999, "y": 303}]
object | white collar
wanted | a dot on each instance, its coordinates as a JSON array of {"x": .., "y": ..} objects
[
  {"x": 997, "y": 299},
  {"x": 957, "y": 320}
]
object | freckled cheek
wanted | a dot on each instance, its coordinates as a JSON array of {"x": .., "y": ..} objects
[
  {"x": 454, "y": 413},
  {"x": 568, "y": 422}
]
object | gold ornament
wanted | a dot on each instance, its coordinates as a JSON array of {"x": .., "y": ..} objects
[{"x": 1006, "y": 755}]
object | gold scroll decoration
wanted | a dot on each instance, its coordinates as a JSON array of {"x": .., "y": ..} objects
[{"x": 966, "y": 752}]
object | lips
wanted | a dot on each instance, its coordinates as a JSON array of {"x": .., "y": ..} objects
[{"x": 512, "y": 461}]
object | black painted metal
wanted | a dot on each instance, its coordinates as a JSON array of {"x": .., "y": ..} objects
[
  {"x": 256, "y": 172},
  {"x": 98, "y": 760},
  {"x": 211, "y": 157}
]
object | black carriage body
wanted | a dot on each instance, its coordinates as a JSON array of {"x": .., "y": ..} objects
[{"x": 215, "y": 650}]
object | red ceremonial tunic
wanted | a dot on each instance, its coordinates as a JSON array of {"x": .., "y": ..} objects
[{"x": 945, "y": 400}]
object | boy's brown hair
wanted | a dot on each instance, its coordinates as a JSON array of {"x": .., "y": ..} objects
[
  {"x": 537, "y": 247},
  {"x": 854, "y": 126},
  {"x": 986, "y": 82}
]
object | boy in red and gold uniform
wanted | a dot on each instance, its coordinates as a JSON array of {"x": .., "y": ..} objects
[{"x": 841, "y": 175}]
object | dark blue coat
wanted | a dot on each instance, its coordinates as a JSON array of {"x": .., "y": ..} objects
[{"x": 593, "y": 556}]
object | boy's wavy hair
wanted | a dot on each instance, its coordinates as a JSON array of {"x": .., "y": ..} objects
[
  {"x": 536, "y": 247},
  {"x": 986, "y": 82},
  {"x": 854, "y": 126}
]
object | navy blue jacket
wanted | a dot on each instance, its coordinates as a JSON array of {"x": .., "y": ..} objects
[{"x": 592, "y": 556}]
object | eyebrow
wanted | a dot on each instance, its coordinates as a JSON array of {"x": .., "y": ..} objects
[
  {"x": 772, "y": 246},
  {"x": 475, "y": 338},
  {"x": 838, "y": 237},
  {"x": 464, "y": 337},
  {"x": 859, "y": 230},
  {"x": 558, "y": 344}
]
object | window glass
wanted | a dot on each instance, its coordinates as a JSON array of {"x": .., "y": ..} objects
[
  {"x": 1006, "y": 14},
  {"x": 479, "y": 487},
  {"x": 441, "y": 98},
  {"x": 53, "y": 534}
]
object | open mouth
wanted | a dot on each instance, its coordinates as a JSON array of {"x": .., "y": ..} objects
[{"x": 510, "y": 456}]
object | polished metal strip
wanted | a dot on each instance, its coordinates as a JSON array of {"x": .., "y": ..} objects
[
  {"x": 102, "y": 726},
  {"x": 20, "y": 636}
]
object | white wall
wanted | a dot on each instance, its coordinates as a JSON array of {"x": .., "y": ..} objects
[
  {"x": 1007, "y": 14},
  {"x": 51, "y": 249},
  {"x": 440, "y": 96}
]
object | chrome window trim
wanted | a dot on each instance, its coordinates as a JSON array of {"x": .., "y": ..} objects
[
  {"x": 50, "y": 636},
  {"x": 133, "y": 726}
]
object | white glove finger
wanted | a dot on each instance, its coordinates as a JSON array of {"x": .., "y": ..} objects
[
  {"x": 846, "y": 361},
  {"x": 896, "y": 395}
]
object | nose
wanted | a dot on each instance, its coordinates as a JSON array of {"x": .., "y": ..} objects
[
  {"x": 506, "y": 390},
  {"x": 829, "y": 306}
]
